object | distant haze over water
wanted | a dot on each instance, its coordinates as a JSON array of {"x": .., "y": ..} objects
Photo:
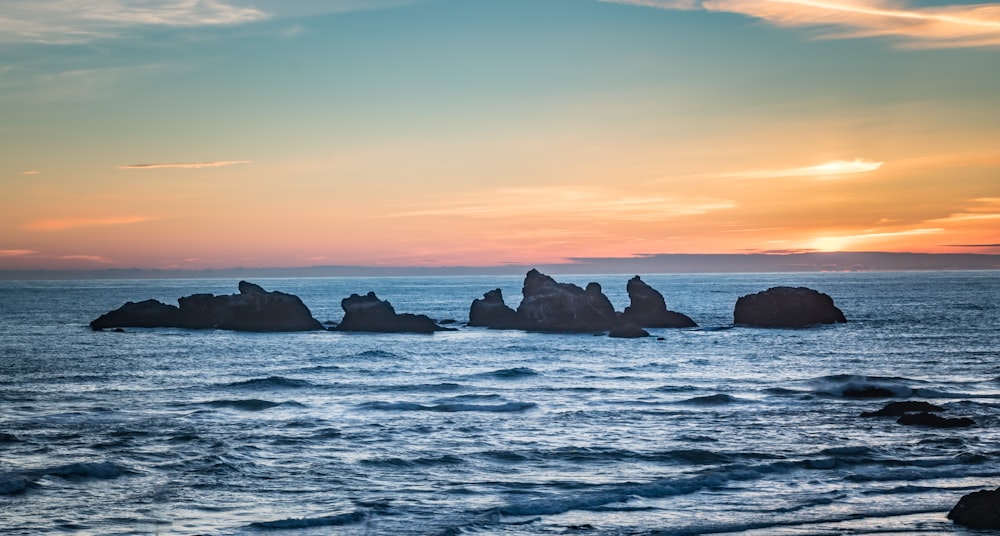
[{"x": 654, "y": 263}]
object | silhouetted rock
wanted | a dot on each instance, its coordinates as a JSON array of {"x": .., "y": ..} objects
[
  {"x": 649, "y": 310},
  {"x": 253, "y": 309},
  {"x": 934, "y": 421},
  {"x": 897, "y": 409},
  {"x": 978, "y": 510},
  {"x": 491, "y": 311},
  {"x": 368, "y": 313},
  {"x": 627, "y": 331},
  {"x": 563, "y": 307},
  {"x": 786, "y": 307}
]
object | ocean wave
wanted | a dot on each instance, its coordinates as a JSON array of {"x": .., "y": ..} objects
[
  {"x": 16, "y": 482},
  {"x": 251, "y": 404},
  {"x": 337, "y": 520},
  {"x": 711, "y": 400},
  {"x": 431, "y": 461},
  {"x": 853, "y": 386},
  {"x": 449, "y": 407},
  {"x": 512, "y": 373},
  {"x": 271, "y": 382}
]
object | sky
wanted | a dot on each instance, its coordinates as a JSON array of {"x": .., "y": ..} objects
[{"x": 194, "y": 134}]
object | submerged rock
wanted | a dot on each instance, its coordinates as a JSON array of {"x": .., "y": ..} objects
[
  {"x": 898, "y": 409},
  {"x": 978, "y": 510},
  {"x": 627, "y": 331},
  {"x": 648, "y": 309},
  {"x": 786, "y": 307},
  {"x": 253, "y": 309},
  {"x": 368, "y": 313},
  {"x": 934, "y": 421}
]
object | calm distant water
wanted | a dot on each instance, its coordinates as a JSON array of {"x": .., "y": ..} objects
[{"x": 717, "y": 430}]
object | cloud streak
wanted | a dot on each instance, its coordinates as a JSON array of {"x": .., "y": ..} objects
[
  {"x": 16, "y": 252},
  {"x": 187, "y": 165},
  {"x": 62, "y": 224},
  {"x": 954, "y": 26},
  {"x": 836, "y": 167}
]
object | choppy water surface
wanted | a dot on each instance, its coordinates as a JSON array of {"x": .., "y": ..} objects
[{"x": 714, "y": 430}]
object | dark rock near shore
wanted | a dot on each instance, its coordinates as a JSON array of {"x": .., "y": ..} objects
[
  {"x": 978, "y": 510},
  {"x": 898, "y": 409},
  {"x": 563, "y": 307},
  {"x": 934, "y": 421},
  {"x": 491, "y": 311},
  {"x": 368, "y": 313},
  {"x": 869, "y": 391},
  {"x": 253, "y": 309},
  {"x": 627, "y": 331},
  {"x": 648, "y": 309},
  {"x": 786, "y": 307}
]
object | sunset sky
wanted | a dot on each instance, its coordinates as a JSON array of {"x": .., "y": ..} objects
[{"x": 218, "y": 133}]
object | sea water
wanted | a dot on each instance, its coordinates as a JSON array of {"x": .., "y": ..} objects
[{"x": 713, "y": 430}]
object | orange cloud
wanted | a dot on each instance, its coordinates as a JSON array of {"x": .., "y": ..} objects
[
  {"x": 836, "y": 167},
  {"x": 16, "y": 252},
  {"x": 61, "y": 224},
  {"x": 187, "y": 165},
  {"x": 932, "y": 27},
  {"x": 91, "y": 258},
  {"x": 31, "y": 172}
]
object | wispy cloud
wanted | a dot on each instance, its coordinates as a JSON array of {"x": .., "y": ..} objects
[
  {"x": 16, "y": 252},
  {"x": 834, "y": 168},
  {"x": 61, "y": 224},
  {"x": 31, "y": 172},
  {"x": 89, "y": 258},
  {"x": 186, "y": 165},
  {"x": 951, "y": 26},
  {"x": 564, "y": 203},
  {"x": 983, "y": 209},
  {"x": 84, "y": 21}
]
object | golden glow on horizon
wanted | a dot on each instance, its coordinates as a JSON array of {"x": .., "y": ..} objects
[{"x": 835, "y": 167}]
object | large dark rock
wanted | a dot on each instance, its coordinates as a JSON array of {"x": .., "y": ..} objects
[
  {"x": 253, "y": 309},
  {"x": 978, "y": 510},
  {"x": 649, "y": 310},
  {"x": 786, "y": 307},
  {"x": 368, "y": 313},
  {"x": 491, "y": 311},
  {"x": 563, "y": 307}
]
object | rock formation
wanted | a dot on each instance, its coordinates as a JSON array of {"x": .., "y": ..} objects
[
  {"x": 563, "y": 307},
  {"x": 491, "y": 311},
  {"x": 253, "y": 309},
  {"x": 649, "y": 310},
  {"x": 978, "y": 510},
  {"x": 368, "y": 313},
  {"x": 898, "y": 409},
  {"x": 786, "y": 307},
  {"x": 934, "y": 421},
  {"x": 627, "y": 331}
]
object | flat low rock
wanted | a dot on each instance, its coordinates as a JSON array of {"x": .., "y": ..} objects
[
  {"x": 369, "y": 313},
  {"x": 253, "y": 309},
  {"x": 934, "y": 421},
  {"x": 786, "y": 307},
  {"x": 978, "y": 510},
  {"x": 898, "y": 409}
]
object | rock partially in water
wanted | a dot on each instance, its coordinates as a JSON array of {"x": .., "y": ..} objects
[
  {"x": 253, "y": 309},
  {"x": 648, "y": 309},
  {"x": 627, "y": 331},
  {"x": 491, "y": 311},
  {"x": 935, "y": 421},
  {"x": 978, "y": 510},
  {"x": 368, "y": 313},
  {"x": 786, "y": 307},
  {"x": 898, "y": 409},
  {"x": 563, "y": 307}
]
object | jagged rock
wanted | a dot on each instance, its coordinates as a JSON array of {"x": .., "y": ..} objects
[
  {"x": 253, "y": 309},
  {"x": 649, "y": 310},
  {"x": 898, "y": 409},
  {"x": 627, "y": 331},
  {"x": 781, "y": 307},
  {"x": 368, "y": 313},
  {"x": 978, "y": 510},
  {"x": 934, "y": 421},
  {"x": 563, "y": 307},
  {"x": 491, "y": 311}
]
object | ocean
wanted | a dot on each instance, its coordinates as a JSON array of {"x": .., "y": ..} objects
[{"x": 714, "y": 430}]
